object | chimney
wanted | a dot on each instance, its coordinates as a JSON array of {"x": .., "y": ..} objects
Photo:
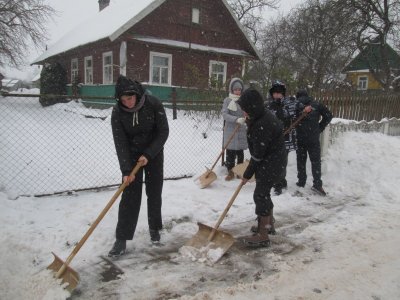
[{"x": 103, "y": 4}]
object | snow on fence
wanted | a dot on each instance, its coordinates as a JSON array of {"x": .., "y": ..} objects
[{"x": 336, "y": 129}]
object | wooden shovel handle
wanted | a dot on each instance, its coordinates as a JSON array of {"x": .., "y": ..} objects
[
  {"x": 221, "y": 218},
  {"x": 96, "y": 222},
  {"x": 294, "y": 124},
  {"x": 225, "y": 146}
]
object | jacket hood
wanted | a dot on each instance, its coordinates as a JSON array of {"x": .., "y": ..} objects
[
  {"x": 235, "y": 83},
  {"x": 127, "y": 86},
  {"x": 252, "y": 102}
]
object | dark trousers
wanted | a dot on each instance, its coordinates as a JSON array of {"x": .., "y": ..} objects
[
  {"x": 129, "y": 206},
  {"x": 283, "y": 183},
  {"x": 314, "y": 151},
  {"x": 267, "y": 175},
  {"x": 231, "y": 156}
]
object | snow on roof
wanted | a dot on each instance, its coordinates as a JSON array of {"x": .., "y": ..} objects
[
  {"x": 114, "y": 20},
  {"x": 191, "y": 45},
  {"x": 110, "y": 23}
]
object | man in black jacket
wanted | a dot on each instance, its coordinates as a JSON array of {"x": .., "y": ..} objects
[
  {"x": 287, "y": 110},
  {"x": 308, "y": 132},
  {"x": 268, "y": 161},
  {"x": 140, "y": 130}
]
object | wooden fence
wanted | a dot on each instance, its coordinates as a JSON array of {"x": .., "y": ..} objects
[{"x": 360, "y": 106}]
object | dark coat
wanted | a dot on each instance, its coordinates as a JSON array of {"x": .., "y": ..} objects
[
  {"x": 311, "y": 126},
  {"x": 264, "y": 137},
  {"x": 145, "y": 137},
  {"x": 287, "y": 110}
]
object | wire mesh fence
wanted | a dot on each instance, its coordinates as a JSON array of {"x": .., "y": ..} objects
[{"x": 69, "y": 147}]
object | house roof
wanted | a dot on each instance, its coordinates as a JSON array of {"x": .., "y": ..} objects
[
  {"x": 371, "y": 58},
  {"x": 110, "y": 23}
]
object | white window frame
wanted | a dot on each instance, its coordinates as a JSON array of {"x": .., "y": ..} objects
[
  {"x": 165, "y": 55},
  {"x": 88, "y": 70},
  {"x": 195, "y": 15},
  {"x": 211, "y": 73},
  {"x": 108, "y": 68},
  {"x": 362, "y": 82},
  {"x": 74, "y": 69}
]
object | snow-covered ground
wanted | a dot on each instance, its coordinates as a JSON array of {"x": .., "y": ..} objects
[{"x": 343, "y": 246}]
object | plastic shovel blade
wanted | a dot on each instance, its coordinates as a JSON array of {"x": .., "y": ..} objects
[
  {"x": 221, "y": 239},
  {"x": 69, "y": 276}
]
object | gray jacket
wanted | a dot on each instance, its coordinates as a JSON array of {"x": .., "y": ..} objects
[{"x": 239, "y": 141}]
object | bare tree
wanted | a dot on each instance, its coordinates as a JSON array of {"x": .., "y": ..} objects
[
  {"x": 379, "y": 22},
  {"x": 22, "y": 23},
  {"x": 249, "y": 13},
  {"x": 322, "y": 36}
]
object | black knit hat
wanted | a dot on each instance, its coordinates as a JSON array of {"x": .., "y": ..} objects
[
  {"x": 278, "y": 87},
  {"x": 126, "y": 86}
]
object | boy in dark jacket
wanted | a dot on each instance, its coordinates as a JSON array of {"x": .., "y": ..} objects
[
  {"x": 287, "y": 111},
  {"x": 140, "y": 130},
  {"x": 308, "y": 132},
  {"x": 268, "y": 160}
]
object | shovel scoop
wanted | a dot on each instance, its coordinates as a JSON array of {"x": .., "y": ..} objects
[
  {"x": 207, "y": 178},
  {"x": 68, "y": 275},
  {"x": 212, "y": 238}
]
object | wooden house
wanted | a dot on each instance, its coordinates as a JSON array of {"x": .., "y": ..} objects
[
  {"x": 358, "y": 71},
  {"x": 164, "y": 44}
]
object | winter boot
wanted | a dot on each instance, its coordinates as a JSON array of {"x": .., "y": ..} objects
[
  {"x": 260, "y": 238},
  {"x": 318, "y": 190},
  {"x": 230, "y": 175},
  {"x": 154, "y": 235},
  {"x": 271, "y": 229},
  {"x": 118, "y": 248}
]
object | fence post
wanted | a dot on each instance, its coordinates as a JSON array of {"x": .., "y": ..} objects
[
  {"x": 173, "y": 94},
  {"x": 386, "y": 126}
]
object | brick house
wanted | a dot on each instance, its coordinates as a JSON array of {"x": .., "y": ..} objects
[{"x": 161, "y": 43}]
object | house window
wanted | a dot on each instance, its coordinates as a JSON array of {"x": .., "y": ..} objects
[
  {"x": 160, "y": 68},
  {"x": 107, "y": 68},
  {"x": 195, "y": 15},
  {"x": 217, "y": 73},
  {"x": 88, "y": 70},
  {"x": 362, "y": 82},
  {"x": 74, "y": 70}
]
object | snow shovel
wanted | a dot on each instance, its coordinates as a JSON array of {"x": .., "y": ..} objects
[
  {"x": 209, "y": 176},
  {"x": 212, "y": 238},
  {"x": 61, "y": 268}
]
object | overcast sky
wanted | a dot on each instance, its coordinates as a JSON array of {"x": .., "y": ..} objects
[{"x": 73, "y": 12}]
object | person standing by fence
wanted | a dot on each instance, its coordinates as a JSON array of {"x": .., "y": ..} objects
[
  {"x": 308, "y": 132},
  {"x": 233, "y": 117},
  {"x": 140, "y": 130},
  {"x": 286, "y": 110}
]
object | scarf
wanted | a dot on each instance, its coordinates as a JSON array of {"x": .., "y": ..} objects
[{"x": 232, "y": 105}]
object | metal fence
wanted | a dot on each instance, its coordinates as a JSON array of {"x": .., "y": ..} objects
[{"x": 68, "y": 147}]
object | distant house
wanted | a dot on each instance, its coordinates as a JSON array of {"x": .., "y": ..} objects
[
  {"x": 358, "y": 71},
  {"x": 163, "y": 43},
  {"x": 11, "y": 84}
]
